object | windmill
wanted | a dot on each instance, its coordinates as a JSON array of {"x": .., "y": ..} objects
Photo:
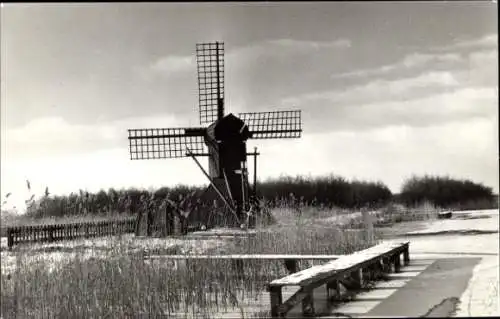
[{"x": 223, "y": 141}]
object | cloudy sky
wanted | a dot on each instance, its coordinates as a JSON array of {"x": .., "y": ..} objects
[{"x": 387, "y": 90}]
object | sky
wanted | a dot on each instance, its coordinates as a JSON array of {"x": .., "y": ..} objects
[{"x": 387, "y": 89}]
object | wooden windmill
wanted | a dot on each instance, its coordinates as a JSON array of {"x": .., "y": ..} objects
[{"x": 223, "y": 141}]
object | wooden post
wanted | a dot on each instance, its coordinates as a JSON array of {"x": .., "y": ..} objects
[
  {"x": 166, "y": 230},
  {"x": 332, "y": 285},
  {"x": 255, "y": 172},
  {"x": 357, "y": 276},
  {"x": 149, "y": 217},
  {"x": 387, "y": 264},
  {"x": 406, "y": 256},
  {"x": 51, "y": 237},
  {"x": 367, "y": 273},
  {"x": 308, "y": 305},
  {"x": 291, "y": 265},
  {"x": 10, "y": 238},
  {"x": 138, "y": 222},
  {"x": 397, "y": 262},
  {"x": 378, "y": 269},
  {"x": 276, "y": 301}
]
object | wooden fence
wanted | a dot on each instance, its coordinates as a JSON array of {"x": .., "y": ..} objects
[{"x": 56, "y": 232}]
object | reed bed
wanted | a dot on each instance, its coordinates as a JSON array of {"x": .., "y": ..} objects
[{"x": 122, "y": 284}]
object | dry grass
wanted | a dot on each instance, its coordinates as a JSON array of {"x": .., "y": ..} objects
[{"x": 124, "y": 285}]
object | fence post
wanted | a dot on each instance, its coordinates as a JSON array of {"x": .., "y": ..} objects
[
  {"x": 51, "y": 235},
  {"x": 10, "y": 239}
]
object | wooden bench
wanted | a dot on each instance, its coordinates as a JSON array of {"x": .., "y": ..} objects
[{"x": 380, "y": 257}]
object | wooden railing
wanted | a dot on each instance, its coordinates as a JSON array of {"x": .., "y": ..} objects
[
  {"x": 56, "y": 232},
  {"x": 350, "y": 270}
]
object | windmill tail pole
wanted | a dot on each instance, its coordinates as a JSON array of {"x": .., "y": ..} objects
[{"x": 214, "y": 186}]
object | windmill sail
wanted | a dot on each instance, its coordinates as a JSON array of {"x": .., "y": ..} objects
[
  {"x": 210, "y": 60},
  {"x": 165, "y": 142},
  {"x": 277, "y": 124}
]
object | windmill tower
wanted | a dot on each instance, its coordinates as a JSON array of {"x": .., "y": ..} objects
[{"x": 223, "y": 141}]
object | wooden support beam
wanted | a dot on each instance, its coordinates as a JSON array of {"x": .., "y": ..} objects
[
  {"x": 357, "y": 277},
  {"x": 332, "y": 289},
  {"x": 406, "y": 256},
  {"x": 276, "y": 301},
  {"x": 397, "y": 262}
]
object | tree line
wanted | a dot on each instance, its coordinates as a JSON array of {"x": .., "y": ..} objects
[
  {"x": 326, "y": 191},
  {"x": 446, "y": 192}
]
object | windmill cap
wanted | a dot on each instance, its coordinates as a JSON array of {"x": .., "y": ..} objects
[{"x": 229, "y": 127}]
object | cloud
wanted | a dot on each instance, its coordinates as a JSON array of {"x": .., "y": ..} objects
[
  {"x": 284, "y": 48},
  {"x": 464, "y": 149},
  {"x": 310, "y": 45},
  {"x": 381, "y": 90},
  {"x": 446, "y": 107},
  {"x": 175, "y": 64},
  {"x": 92, "y": 171},
  {"x": 410, "y": 61},
  {"x": 482, "y": 69},
  {"x": 48, "y": 136},
  {"x": 436, "y": 55},
  {"x": 487, "y": 41}
]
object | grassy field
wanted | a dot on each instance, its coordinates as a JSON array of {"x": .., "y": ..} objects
[
  {"x": 121, "y": 284},
  {"x": 118, "y": 282}
]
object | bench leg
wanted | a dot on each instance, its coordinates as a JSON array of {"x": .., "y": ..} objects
[
  {"x": 358, "y": 278},
  {"x": 397, "y": 262},
  {"x": 276, "y": 301},
  {"x": 378, "y": 270},
  {"x": 406, "y": 256},
  {"x": 387, "y": 265},
  {"x": 332, "y": 289},
  {"x": 370, "y": 272},
  {"x": 308, "y": 305}
]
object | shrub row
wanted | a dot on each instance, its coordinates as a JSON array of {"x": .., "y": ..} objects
[
  {"x": 445, "y": 192},
  {"x": 326, "y": 191}
]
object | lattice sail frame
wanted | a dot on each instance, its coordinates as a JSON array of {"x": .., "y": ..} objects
[
  {"x": 210, "y": 61},
  {"x": 276, "y": 124},
  {"x": 161, "y": 143}
]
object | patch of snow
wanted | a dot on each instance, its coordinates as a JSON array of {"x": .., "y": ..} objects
[
  {"x": 51, "y": 253},
  {"x": 481, "y": 297},
  {"x": 339, "y": 264}
]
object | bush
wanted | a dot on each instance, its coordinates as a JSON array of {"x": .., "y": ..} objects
[
  {"x": 444, "y": 192},
  {"x": 329, "y": 191}
]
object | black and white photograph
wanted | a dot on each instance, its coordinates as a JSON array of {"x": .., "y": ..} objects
[{"x": 267, "y": 159}]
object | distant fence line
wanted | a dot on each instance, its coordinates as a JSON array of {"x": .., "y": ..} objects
[{"x": 55, "y": 232}]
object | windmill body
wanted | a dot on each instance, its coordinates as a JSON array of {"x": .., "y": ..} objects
[{"x": 223, "y": 141}]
